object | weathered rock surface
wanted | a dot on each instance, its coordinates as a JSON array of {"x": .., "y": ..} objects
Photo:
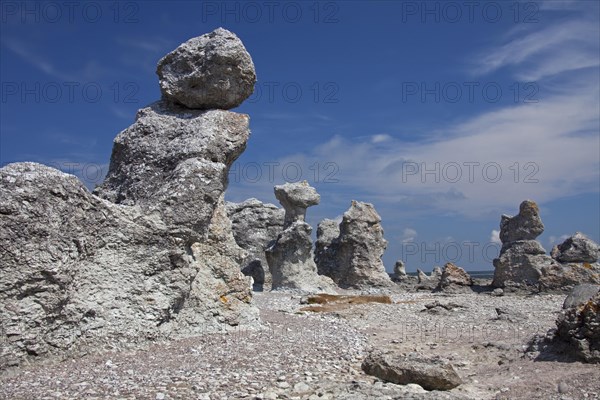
[
  {"x": 527, "y": 225},
  {"x": 291, "y": 262},
  {"x": 580, "y": 295},
  {"x": 327, "y": 231},
  {"x": 579, "y": 327},
  {"x": 256, "y": 226},
  {"x": 79, "y": 272},
  {"x": 210, "y": 71},
  {"x": 358, "y": 249},
  {"x": 454, "y": 278},
  {"x": 429, "y": 373},
  {"x": 578, "y": 248},
  {"x": 521, "y": 258},
  {"x": 295, "y": 199},
  {"x": 290, "y": 258},
  {"x": 173, "y": 163}
]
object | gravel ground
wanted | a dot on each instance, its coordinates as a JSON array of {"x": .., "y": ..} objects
[{"x": 313, "y": 355}]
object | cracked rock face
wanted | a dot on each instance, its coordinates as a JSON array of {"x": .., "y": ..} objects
[
  {"x": 79, "y": 272},
  {"x": 256, "y": 226},
  {"x": 579, "y": 327},
  {"x": 527, "y": 225},
  {"x": 327, "y": 231},
  {"x": 357, "y": 251},
  {"x": 210, "y": 71},
  {"x": 291, "y": 262},
  {"x": 174, "y": 162}
]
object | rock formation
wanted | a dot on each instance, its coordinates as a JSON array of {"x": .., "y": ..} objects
[
  {"x": 209, "y": 71},
  {"x": 576, "y": 249},
  {"x": 399, "y": 270},
  {"x": 579, "y": 328},
  {"x": 327, "y": 231},
  {"x": 152, "y": 255},
  {"x": 357, "y": 251},
  {"x": 256, "y": 226},
  {"x": 454, "y": 278},
  {"x": 290, "y": 258},
  {"x": 523, "y": 261}
]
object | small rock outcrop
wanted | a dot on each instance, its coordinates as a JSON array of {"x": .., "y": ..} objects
[
  {"x": 576, "y": 249},
  {"x": 210, "y": 71},
  {"x": 579, "y": 328},
  {"x": 399, "y": 269},
  {"x": 327, "y": 231},
  {"x": 523, "y": 262},
  {"x": 357, "y": 251},
  {"x": 290, "y": 258},
  {"x": 256, "y": 226},
  {"x": 454, "y": 278},
  {"x": 429, "y": 373},
  {"x": 150, "y": 254},
  {"x": 429, "y": 282}
]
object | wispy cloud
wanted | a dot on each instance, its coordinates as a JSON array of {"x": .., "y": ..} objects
[
  {"x": 565, "y": 46},
  {"x": 36, "y": 60}
]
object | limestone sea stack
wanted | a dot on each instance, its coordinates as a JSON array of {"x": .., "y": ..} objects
[
  {"x": 290, "y": 258},
  {"x": 151, "y": 253},
  {"x": 523, "y": 262},
  {"x": 354, "y": 257}
]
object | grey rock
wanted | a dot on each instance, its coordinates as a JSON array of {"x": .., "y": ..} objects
[
  {"x": 295, "y": 199},
  {"x": 327, "y": 231},
  {"x": 454, "y": 278},
  {"x": 527, "y": 225},
  {"x": 521, "y": 258},
  {"x": 80, "y": 273},
  {"x": 256, "y": 226},
  {"x": 210, "y": 71},
  {"x": 429, "y": 373},
  {"x": 290, "y": 258},
  {"x": 557, "y": 277},
  {"x": 174, "y": 163},
  {"x": 581, "y": 294},
  {"x": 399, "y": 269},
  {"x": 291, "y": 263},
  {"x": 422, "y": 277},
  {"x": 358, "y": 249},
  {"x": 579, "y": 328},
  {"x": 578, "y": 248}
]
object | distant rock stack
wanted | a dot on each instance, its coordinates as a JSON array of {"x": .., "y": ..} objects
[
  {"x": 290, "y": 258},
  {"x": 523, "y": 261},
  {"x": 354, "y": 257},
  {"x": 454, "y": 279},
  {"x": 256, "y": 226},
  {"x": 152, "y": 255},
  {"x": 327, "y": 231}
]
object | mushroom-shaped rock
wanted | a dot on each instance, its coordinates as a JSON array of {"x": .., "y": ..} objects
[
  {"x": 210, "y": 71},
  {"x": 295, "y": 199}
]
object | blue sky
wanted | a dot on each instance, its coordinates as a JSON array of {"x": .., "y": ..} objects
[{"x": 444, "y": 115}]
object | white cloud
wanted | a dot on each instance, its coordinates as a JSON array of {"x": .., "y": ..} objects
[
  {"x": 567, "y": 46},
  {"x": 495, "y": 236},
  {"x": 380, "y": 138},
  {"x": 408, "y": 235},
  {"x": 553, "y": 240}
]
